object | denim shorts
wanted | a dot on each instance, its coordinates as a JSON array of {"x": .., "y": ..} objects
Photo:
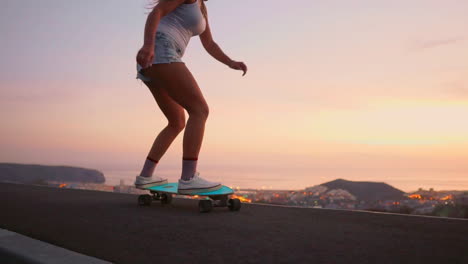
[{"x": 165, "y": 51}]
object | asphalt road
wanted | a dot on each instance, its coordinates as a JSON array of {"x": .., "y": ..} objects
[{"x": 112, "y": 227}]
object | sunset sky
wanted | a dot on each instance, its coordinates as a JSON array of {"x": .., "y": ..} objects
[{"x": 366, "y": 90}]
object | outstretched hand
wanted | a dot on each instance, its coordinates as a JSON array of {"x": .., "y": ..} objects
[{"x": 238, "y": 65}]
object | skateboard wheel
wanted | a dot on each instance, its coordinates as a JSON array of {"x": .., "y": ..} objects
[
  {"x": 166, "y": 198},
  {"x": 144, "y": 200},
  {"x": 234, "y": 204},
  {"x": 205, "y": 206}
]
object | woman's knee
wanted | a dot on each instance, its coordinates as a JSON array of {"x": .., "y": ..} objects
[
  {"x": 200, "y": 110},
  {"x": 177, "y": 124}
]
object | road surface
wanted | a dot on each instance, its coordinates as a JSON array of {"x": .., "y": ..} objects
[{"x": 112, "y": 227}]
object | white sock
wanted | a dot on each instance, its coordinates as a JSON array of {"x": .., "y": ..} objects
[
  {"x": 148, "y": 168},
  {"x": 189, "y": 167}
]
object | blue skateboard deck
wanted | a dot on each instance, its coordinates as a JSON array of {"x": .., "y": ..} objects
[
  {"x": 218, "y": 198},
  {"x": 172, "y": 188}
]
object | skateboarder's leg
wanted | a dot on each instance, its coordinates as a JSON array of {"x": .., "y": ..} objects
[
  {"x": 182, "y": 87},
  {"x": 176, "y": 122}
]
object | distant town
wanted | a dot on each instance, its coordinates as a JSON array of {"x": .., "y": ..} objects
[
  {"x": 337, "y": 194},
  {"x": 420, "y": 202}
]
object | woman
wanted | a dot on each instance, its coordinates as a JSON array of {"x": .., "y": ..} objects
[{"x": 169, "y": 27}]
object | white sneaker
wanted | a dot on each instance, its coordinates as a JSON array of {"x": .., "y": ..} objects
[
  {"x": 196, "y": 185},
  {"x": 146, "y": 182}
]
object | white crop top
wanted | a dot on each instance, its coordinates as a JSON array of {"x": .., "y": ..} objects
[{"x": 183, "y": 23}]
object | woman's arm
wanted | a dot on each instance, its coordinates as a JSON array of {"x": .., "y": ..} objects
[
  {"x": 212, "y": 47},
  {"x": 146, "y": 54},
  {"x": 163, "y": 8},
  {"x": 215, "y": 51}
]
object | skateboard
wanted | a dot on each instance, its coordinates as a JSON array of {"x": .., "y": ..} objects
[{"x": 218, "y": 198}]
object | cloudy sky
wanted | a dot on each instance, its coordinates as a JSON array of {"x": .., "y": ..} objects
[{"x": 360, "y": 90}]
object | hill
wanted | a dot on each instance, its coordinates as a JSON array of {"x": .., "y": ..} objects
[
  {"x": 26, "y": 173},
  {"x": 366, "y": 191}
]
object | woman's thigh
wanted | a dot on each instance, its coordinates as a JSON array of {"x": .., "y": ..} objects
[
  {"x": 180, "y": 85},
  {"x": 171, "y": 109}
]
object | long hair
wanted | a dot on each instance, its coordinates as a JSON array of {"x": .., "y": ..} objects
[{"x": 203, "y": 6}]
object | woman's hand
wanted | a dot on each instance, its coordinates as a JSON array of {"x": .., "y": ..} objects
[
  {"x": 145, "y": 56},
  {"x": 238, "y": 65}
]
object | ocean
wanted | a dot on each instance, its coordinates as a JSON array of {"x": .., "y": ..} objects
[{"x": 406, "y": 181}]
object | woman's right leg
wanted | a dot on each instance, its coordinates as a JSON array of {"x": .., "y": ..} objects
[
  {"x": 176, "y": 122},
  {"x": 181, "y": 86},
  {"x": 175, "y": 116}
]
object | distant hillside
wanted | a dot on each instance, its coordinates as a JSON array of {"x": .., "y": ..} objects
[
  {"x": 366, "y": 191},
  {"x": 24, "y": 173}
]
